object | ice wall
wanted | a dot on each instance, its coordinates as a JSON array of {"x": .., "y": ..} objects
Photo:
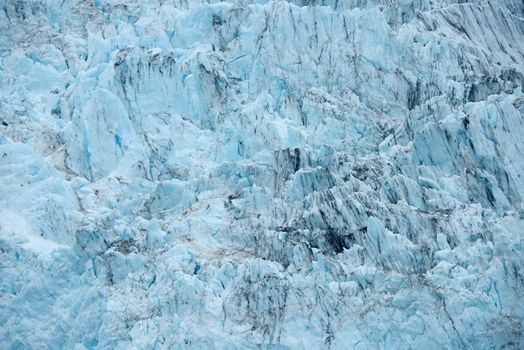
[{"x": 261, "y": 174}]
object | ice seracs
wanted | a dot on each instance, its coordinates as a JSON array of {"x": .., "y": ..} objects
[{"x": 261, "y": 174}]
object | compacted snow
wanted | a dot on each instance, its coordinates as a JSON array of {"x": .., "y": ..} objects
[{"x": 255, "y": 174}]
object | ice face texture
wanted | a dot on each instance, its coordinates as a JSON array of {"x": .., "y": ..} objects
[{"x": 189, "y": 174}]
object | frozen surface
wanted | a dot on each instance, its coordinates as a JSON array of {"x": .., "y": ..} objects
[{"x": 330, "y": 174}]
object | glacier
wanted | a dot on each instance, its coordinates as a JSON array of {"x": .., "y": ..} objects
[{"x": 259, "y": 174}]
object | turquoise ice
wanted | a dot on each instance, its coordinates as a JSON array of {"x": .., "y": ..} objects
[{"x": 256, "y": 174}]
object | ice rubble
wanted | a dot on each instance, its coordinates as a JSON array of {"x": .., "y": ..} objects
[{"x": 245, "y": 174}]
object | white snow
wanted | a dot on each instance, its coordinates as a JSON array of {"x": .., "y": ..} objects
[{"x": 15, "y": 229}]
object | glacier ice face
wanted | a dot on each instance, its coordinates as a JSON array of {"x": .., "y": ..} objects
[{"x": 261, "y": 174}]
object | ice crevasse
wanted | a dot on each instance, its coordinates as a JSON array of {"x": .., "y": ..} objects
[{"x": 255, "y": 174}]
